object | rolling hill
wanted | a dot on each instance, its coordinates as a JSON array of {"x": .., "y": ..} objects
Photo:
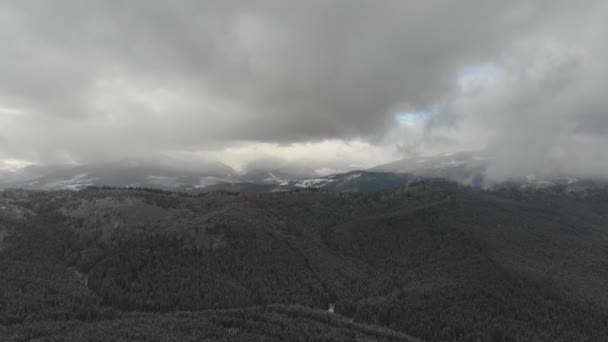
[{"x": 430, "y": 260}]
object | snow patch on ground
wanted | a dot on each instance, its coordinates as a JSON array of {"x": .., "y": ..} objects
[
  {"x": 322, "y": 181},
  {"x": 309, "y": 183}
]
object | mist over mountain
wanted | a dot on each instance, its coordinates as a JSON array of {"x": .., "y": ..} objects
[
  {"x": 472, "y": 168},
  {"x": 288, "y": 170},
  {"x": 340, "y": 85},
  {"x": 122, "y": 174}
]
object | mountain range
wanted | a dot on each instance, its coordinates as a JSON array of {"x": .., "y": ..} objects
[{"x": 468, "y": 168}]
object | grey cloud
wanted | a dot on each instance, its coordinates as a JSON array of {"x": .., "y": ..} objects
[
  {"x": 101, "y": 80},
  {"x": 545, "y": 113},
  {"x": 296, "y": 70}
]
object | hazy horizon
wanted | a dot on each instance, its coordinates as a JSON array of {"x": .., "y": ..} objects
[{"x": 330, "y": 85}]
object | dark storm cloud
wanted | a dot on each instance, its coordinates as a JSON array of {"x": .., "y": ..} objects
[{"x": 98, "y": 80}]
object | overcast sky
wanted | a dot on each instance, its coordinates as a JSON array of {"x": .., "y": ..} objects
[{"x": 339, "y": 84}]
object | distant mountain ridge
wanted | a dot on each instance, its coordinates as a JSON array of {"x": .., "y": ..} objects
[
  {"x": 120, "y": 174},
  {"x": 467, "y": 168},
  {"x": 463, "y": 167}
]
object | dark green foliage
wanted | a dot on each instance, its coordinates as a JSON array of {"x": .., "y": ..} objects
[
  {"x": 431, "y": 259},
  {"x": 272, "y": 323}
]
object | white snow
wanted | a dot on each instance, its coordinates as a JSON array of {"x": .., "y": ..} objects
[
  {"x": 307, "y": 183},
  {"x": 273, "y": 179},
  {"x": 322, "y": 181}
]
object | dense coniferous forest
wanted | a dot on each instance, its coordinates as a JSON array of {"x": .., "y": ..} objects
[{"x": 431, "y": 261}]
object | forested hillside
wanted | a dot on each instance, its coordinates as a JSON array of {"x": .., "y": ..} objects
[{"x": 431, "y": 260}]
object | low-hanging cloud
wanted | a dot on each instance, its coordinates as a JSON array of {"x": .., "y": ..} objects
[
  {"x": 544, "y": 113},
  {"x": 96, "y": 80}
]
